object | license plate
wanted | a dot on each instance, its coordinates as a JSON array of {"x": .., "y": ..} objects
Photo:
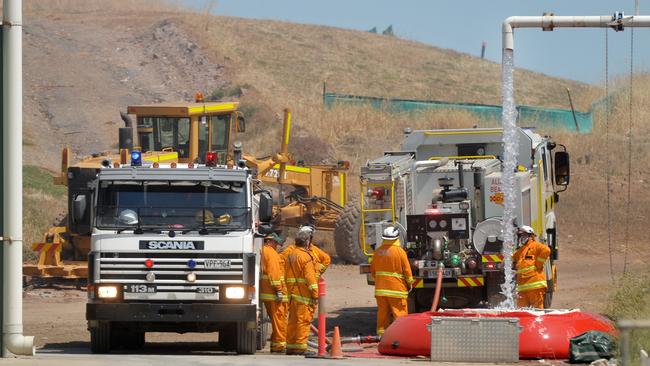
[
  {"x": 217, "y": 263},
  {"x": 206, "y": 290},
  {"x": 446, "y": 273},
  {"x": 140, "y": 289}
]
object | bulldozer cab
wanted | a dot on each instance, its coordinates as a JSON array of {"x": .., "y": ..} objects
[{"x": 189, "y": 129}]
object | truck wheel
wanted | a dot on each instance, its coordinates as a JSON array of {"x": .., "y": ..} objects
[
  {"x": 246, "y": 339},
  {"x": 228, "y": 338},
  {"x": 100, "y": 338},
  {"x": 347, "y": 234},
  {"x": 263, "y": 329},
  {"x": 420, "y": 300},
  {"x": 410, "y": 303},
  {"x": 133, "y": 340},
  {"x": 493, "y": 281}
]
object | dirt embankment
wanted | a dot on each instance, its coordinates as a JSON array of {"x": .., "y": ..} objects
[{"x": 80, "y": 72}]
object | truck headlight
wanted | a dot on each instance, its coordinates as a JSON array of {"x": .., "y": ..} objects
[
  {"x": 235, "y": 292},
  {"x": 107, "y": 292}
]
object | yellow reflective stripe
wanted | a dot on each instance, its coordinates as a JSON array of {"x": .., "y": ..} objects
[
  {"x": 277, "y": 283},
  {"x": 297, "y": 346},
  {"x": 294, "y": 280},
  {"x": 532, "y": 286},
  {"x": 314, "y": 286},
  {"x": 302, "y": 299},
  {"x": 273, "y": 344},
  {"x": 391, "y": 293},
  {"x": 271, "y": 297},
  {"x": 541, "y": 260},
  {"x": 526, "y": 270},
  {"x": 410, "y": 280},
  {"x": 265, "y": 277},
  {"x": 389, "y": 274}
]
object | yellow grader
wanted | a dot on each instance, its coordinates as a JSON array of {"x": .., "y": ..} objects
[{"x": 185, "y": 133}]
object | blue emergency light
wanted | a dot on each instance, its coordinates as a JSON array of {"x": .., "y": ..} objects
[
  {"x": 136, "y": 158},
  {"x": 191, "y": 263}
]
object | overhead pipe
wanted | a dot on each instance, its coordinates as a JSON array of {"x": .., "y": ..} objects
[
  {"x": 550, "y": 22},
  {"x": 12, "y": 238}
]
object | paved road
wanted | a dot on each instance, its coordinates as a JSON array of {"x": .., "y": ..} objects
[
  {"x": 178, "y": 355},
  {"x": 182, "y": 354}
]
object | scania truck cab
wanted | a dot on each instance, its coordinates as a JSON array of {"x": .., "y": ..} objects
[{"x": 175, "y": 248}]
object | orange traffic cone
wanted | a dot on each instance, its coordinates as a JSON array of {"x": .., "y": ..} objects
[{"x": 335, "y": 348}]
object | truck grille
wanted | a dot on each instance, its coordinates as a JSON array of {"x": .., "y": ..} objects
[{"x": 170, "y": 270}]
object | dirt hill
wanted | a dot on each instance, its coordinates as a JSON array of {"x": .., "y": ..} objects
[{"x": 85, "y": 61}]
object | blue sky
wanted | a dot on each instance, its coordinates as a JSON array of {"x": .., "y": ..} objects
[{"x": 577, "y": 54}]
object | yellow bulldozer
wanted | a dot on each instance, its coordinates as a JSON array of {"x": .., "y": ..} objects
[{"x": 185, "y": 133}]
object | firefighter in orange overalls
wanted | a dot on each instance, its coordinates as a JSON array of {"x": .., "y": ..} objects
[
  {"x": 529, "y": 262},
  {"x": 302, "y": 287},
  {"x": 273, "y": 291},
  {"x": 393, "y": 279},
  {"x": 321, "y": 259}
]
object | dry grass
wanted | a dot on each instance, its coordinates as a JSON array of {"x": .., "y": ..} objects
[
  {"x": 631, "y": 301},
  {"x": 42, "y": 201},
  {"x": 289, "y": 62},
  {"x": 592, "y": 159},
  {"x": 86, "y": 6}
]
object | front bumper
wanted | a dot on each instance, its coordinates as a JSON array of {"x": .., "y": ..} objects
[{"x": 154, "y": 312}]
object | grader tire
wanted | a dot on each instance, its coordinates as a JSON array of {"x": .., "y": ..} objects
[{"x": 347, "y": 233}]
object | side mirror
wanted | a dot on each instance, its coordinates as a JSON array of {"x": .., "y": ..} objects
[
  {"x": 562, "y": 168},
  {"x": 266, "y": 207},
  {"x": 79, "y": 208},
  {"x": 241, "y": 123}
]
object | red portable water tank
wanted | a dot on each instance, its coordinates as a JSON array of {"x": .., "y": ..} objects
[{"x": 544, "y": 334}]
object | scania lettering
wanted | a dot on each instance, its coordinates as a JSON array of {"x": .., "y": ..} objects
[{"x": 185, "y": 245}]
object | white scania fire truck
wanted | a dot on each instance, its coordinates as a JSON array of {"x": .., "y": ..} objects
[{"x": 175, "y": 248}]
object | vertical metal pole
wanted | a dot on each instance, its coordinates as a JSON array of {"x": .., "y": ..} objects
[
  {"x": 625, "y": 347},
  {"x": 12, "y": 155},
  {"x": 2, "y": 346}
]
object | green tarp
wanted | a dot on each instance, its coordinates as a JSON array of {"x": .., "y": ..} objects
[
  {"x": 591, "y": 346},
  {"x": 542, "y": 117}
]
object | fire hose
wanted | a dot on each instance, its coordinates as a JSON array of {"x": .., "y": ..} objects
[{"x": 436, "y": 296}]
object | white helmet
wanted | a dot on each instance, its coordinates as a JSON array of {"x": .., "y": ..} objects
[
  {"x": 525, "y": 230},
  {"x": 390, "y": 233},
  {"x": 308, "y": 229},
  {"x": 128, "y": 217}
]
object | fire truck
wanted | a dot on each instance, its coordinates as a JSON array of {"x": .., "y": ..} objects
[
  {"x": 443, "y": 188},
  {"x": 175, "y": 247}
]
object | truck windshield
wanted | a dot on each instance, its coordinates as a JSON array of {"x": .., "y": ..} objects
[{"x": 180, "y": 205}]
